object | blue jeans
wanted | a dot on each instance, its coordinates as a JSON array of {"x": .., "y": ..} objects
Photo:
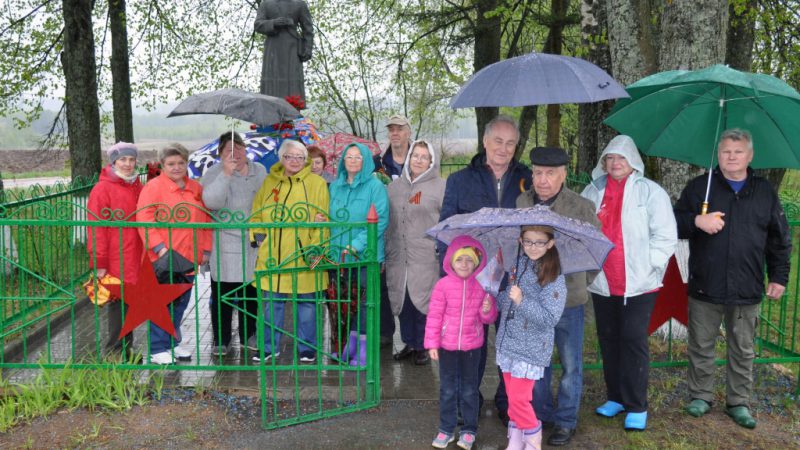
[
  {"x": 569, "y": 341},
  {"x": 412, "y": 325},
  {"x": 305, "y": 327},
  {"x": 458, "y": 385},
  {"x": 160, "y": 340}
]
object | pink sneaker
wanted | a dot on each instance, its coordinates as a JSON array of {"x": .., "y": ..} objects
[{"x": 466, "y": 440}]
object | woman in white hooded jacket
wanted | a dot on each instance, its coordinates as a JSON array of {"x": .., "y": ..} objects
[
  {"x": 412, "y": 265},
  {"x": 636, "y": 215}
]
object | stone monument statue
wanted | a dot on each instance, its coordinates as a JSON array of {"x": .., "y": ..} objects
[{"x": 289, "y": 42}]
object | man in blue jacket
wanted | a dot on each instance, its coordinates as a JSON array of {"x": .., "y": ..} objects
[
  {"x": 745, "y": 231},
  {"x": 492, "y": 179}
]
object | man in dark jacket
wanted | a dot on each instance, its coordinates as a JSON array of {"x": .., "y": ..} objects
[
  {"x": 492, "y": 179},
  {"x": 549, "y": 166},
  {"x": 390, "y": 164},
  {"x": 729, "y": 247}
]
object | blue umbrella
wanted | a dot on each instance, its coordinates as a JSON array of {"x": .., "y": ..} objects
[
  {"x": 537, "y": 79},
  {"x": 581, "y": 246}
]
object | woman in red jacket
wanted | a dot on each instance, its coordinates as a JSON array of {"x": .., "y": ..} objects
[
  {"x": 173, "y": 197},
  {"x": 114, "y": 198}
]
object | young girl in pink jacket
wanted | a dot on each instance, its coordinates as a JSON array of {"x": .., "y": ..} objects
[{"x": 458, "y": 309}]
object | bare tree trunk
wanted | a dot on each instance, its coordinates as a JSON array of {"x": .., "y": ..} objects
[
  {"x": 739, "y": 55},
  {"x": 527, "y": 118},
  {"x": 688, "y": 34},
  {"x": 83, "y": 114},
  {"x": 592, "y": 134},
  {"x": 487, "y": 51},
  {"x": 553, "y": 45},
  {"x": 120, "y": 73},
  {"x": 693, "y": 35}
]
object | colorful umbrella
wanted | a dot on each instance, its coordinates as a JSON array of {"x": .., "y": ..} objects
[
  {"x": 260, "y": 148},
  {"x": 333, "y": 145}
]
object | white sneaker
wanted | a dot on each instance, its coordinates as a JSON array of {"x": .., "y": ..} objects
[
  {"x": 182, "y": 354},
  {"x": 267, "y": 356},
  {"x": 162, "y": 358}
]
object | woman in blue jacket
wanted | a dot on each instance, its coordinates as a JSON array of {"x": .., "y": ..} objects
[{"x": 352, "y": 194}]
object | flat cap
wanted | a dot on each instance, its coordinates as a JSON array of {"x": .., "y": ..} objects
[
  {"x": 549, "y": 156},
  {"x": 398, "y": 119}
]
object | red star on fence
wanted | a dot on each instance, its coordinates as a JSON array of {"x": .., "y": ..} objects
[
  {"x": 672, "y": 301},
  {"x": 148, "y": 300}
]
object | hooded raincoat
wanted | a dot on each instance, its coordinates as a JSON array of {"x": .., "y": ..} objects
[
  {"x": 411, "y": 260},
  {"x": 648, "y": 229},
  {"x": 350, "y": 202},
  {"x": 456, "y": 317},
  {"x": 289, "y": 199}
]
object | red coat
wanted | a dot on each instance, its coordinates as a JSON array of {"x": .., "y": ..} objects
[
  {"x": 160, "y": 191},
  {"x": 112, "y": 198}
]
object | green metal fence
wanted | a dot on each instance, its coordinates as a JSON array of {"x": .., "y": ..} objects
[{"x": 47, "y": 321}]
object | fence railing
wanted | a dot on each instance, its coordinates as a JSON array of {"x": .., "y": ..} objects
[{"x": 47, "y": 321}]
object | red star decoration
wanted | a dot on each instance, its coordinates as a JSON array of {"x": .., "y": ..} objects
[
  {"x": 148, "y": 300},
  {"x": 672, "y": 300}
]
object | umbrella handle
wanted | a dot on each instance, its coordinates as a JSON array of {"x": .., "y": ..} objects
[{"x": 704, "y": 209}]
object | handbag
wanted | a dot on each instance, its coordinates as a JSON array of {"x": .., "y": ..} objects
[{"x": 173, "y": 268}]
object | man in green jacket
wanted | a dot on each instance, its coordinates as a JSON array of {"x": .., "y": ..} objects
[{"x": 549, "y": 166}]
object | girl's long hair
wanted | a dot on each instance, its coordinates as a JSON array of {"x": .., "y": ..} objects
[{"x": 548, "y": 266}]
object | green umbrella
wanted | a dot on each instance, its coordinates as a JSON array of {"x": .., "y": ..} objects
[{"x": 680, "y": 114}]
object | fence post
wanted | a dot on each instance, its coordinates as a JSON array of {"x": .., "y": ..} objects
[{"x": 373, "y": 308}]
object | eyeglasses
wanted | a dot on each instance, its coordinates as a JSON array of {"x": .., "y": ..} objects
[
  {"x": 420, "y": 157},
  {"x": 294, "y": 158},
  {"x": 353, "y": 158},
  {"x": 538, "y": 244}
]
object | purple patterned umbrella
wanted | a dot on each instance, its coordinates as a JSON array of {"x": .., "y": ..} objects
[{"x": 581, "y": 246}]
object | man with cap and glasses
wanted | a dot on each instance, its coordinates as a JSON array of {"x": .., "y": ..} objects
[
  {"x": 549, "y": 167},
  {"x": 390, "y": 163}
]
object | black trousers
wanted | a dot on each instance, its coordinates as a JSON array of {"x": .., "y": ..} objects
[
  {"x": 222, "y": 312},
  {"x": 622, "y": 333},
  {"x": 387, "y": 318}
]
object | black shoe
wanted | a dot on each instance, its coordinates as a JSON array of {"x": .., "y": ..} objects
[
  {"x": 561, "y": 436},
  {"x": 406, "y": 352},
  {"x": 421, "y": 357}
]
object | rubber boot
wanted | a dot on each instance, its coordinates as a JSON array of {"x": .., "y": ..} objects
[
  {"x": 349, "y": 351},
  {"x": 532, "y": 439},
  {"x": 514, "y": 437},
  {"x": 360, "y": 360}
]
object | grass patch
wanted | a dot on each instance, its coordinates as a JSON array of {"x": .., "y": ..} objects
[
  {"x": 37, "y": 174},
  {"x": 109, "y": 389}
]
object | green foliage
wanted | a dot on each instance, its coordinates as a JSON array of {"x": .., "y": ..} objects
[
  {"x": 110, "y": 389},
  {"x": 777, "y": 39}
]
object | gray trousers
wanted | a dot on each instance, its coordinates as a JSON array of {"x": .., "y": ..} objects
[{"x": 740, "y": 325}]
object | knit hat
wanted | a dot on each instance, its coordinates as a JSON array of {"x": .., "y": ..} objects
[
  {"x": 469, "y": 251},
  {"x": 121, "y": 149}
]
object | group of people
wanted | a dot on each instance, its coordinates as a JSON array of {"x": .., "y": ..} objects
[
  {"x": 744, "y": 233},
  {"x": 233, "y": 190},
  {"x": 444, "y": 313}
]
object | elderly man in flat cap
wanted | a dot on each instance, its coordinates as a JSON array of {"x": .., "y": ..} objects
[{"x": 549, "y": 166}]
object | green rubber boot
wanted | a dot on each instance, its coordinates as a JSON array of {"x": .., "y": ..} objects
[
  {"x": 698, "y": 408},
  {"x": 741, "y": 415}
]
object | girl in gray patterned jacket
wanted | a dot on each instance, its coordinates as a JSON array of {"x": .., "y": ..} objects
[{"x": 530, "y": 309}]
